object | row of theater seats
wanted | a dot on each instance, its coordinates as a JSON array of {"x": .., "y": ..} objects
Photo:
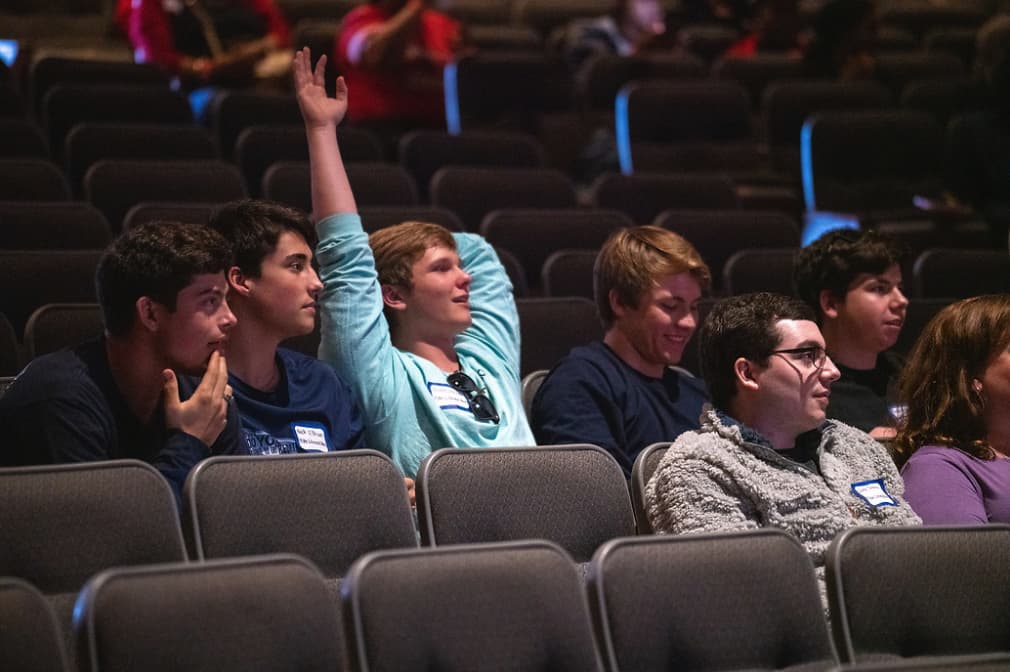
[{"x": 102, "y": 543}]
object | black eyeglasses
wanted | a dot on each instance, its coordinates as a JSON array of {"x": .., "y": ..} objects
[
  {"x": 480, "y": 404},
  {"x": 812, "y": 355}
]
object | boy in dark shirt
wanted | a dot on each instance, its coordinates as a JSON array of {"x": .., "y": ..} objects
[
  {"x": 621, "y": 394},
  {"x": 162, "y": 292},
  {"x": 852, "y": 280},
  {"x": 289, "y": 402}
]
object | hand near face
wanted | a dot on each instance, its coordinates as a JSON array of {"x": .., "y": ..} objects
[
  {"x": 204, "y": 414},
  {"x": 318, "y": 109}
]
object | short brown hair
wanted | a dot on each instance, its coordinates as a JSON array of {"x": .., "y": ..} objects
[
  {"x": 633, "y": 260},
  {"x": 397, "y": 248},
  {"x": 942, "y": 405}
]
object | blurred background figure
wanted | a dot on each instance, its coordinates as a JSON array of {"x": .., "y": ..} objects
[
  {"x": 633, "y": 27},
  {"x": 844, "y": 42},
  {"x": 774, "y": 26},
  {"x": 211, "y": 43},
  {"x": 392, "y": 53}
]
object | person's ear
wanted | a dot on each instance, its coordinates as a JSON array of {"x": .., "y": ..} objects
[
  {"x": 830, "y": 304},
  {"x": 148, "y": 313},
  {"x": 616, "y": 306},
  {"x": 238, "y": 281},
  {"x": 745, "y": 371},
  {"x": 393, "y": 297}
]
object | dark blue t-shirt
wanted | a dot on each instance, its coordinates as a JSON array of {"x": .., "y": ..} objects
[
  {"x": 310, "y": 410},
  {"x": 592, "y": 396}
]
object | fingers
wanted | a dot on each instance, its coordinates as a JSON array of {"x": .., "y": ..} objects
[
  {"x": 341, "y": 90},
  {"x": 411, "y": 492},
  {"x": 319, "y": 75},
  {"x": 170, "y": 387},
  {"x": 221, "y": 377}
]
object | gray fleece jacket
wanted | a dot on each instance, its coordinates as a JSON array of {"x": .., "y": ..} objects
[{"x": 726, "y": 476}]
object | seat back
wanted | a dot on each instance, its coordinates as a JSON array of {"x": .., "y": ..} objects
[
  {"x": 238, "y": 615},
  {"x": 768, "y": 270},
  {"x": 116, "y": 185},
  {"x": 729, "y": 601},
  {"x": 329, "y": 508},
  {"x": 88, "y": 143},
  {"x": 61, "y": 325},
  {"x": 32, "y": 180},
  {"x": 30, "y": 638},
  {"x": 377, "y": 217},
  {"x": 233, "y": 110},
  {"x": 532, "y": 235},
  {"x": 718, "y": 234},
  {"x": 32, "y": 278},
  {"x": 517, "y": 606},
  {"x": 260, "y": 146},
  {"x": 423, "y": 152},
  {"x": 575, "y": 496},
  {"x": 551, "y": 327},
  {"x": 41, "y": 225},
  {"x": 641, "y": 471},
  {"x": 51, "y": 70},
  {"x": 644, "y": 196},
  {"x": 372, "y": 183},
  {"x": 473, "y": 192},
  {"x": 919, "y": 591},
  {"x": 530, "y": 384},
  {"x": 569, "y": 273},
  {"x": 958, "y": 274}
]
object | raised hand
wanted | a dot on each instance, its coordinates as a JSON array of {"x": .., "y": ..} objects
[
  {"x": 204, "y": 414},
  {"x": 318, "y": 109}
]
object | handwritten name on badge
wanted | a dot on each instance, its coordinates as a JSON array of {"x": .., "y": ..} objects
[
  {"x": 873, "y": 493},
  {"x": 447, "y": 396},
  {"x": 311, "y": 437}
]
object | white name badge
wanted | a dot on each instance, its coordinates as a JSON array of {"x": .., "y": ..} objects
[
  {"x": 447, "y": 396},
  {"x": 873, "y": 493},
  {"x": 311, "y": 436}
]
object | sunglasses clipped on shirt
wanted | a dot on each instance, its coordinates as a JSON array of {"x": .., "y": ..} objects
[{"x": 480, "y": 404}]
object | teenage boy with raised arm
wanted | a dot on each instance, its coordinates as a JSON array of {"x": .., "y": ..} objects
[{"x": 420, "y": 322}]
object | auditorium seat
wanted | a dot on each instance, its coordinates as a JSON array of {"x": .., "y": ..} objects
[
  {"x": 533, "y": 235},
  {"x": 641, "y": 471},
  {"x": 57, "y": 225},
  {"x": 721, "y": 601},
  {"x": 919, "y": 592},
  {"x": 514, "y": 606},
  {"x": 573, "y": 495},
  {"x": 32, "y": 278},
  {"x": 643, "y": 196},
  {"x": 718, "y": 234},
  {"x": 30, "y": 637},
  {"x": 238, "y": 615},
  {"x": 473, "y": 192},
  {"x": 328, "y": 507},
  {"x": 289, "y": 182},
  {"x": 569, "y": 272},
  {"x": 61, "y": 325},
  {"x": 62, "y": 524},
  {"x": 551, "y": 327},
  {"x": 116, "y": 185}
]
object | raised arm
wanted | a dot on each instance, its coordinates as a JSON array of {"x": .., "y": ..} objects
[{"x": 331, "y": 192}]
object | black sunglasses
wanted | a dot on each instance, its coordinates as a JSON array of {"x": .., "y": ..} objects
[{"x": 480, "y": 405}]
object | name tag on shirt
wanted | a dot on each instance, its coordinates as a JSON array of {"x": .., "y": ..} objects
[
  {"x": 311, "y": 437},
  {"x": 447, "y": 396},
  {"x": 873, "y": 493}
]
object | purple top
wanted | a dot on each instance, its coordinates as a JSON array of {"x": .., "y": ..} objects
[{"x": 947, "y": 486}]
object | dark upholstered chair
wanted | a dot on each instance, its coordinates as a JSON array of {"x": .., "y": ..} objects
[
  {"x": 574, "y": 495},
  {"x": 707, "y": 602},
  {"x": 515, "y": 606},
  {"x": 238, "y": 615}
]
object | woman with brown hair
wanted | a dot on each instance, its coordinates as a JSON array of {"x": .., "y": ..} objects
[{"x": 955, "y": 439}]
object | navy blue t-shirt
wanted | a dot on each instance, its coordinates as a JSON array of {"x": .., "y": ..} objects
[
  {"x": 65, "y": 407},
  {"x": 310, "y": 410},
  {"x": 592, "y": 396}
]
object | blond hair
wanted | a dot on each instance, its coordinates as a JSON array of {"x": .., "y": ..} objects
[{"x": 633, "y": 260}]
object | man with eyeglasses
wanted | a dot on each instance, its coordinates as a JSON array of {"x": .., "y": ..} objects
[
  {"x": 420, "y": 322},
  {"x": 766, "y": 456}
]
